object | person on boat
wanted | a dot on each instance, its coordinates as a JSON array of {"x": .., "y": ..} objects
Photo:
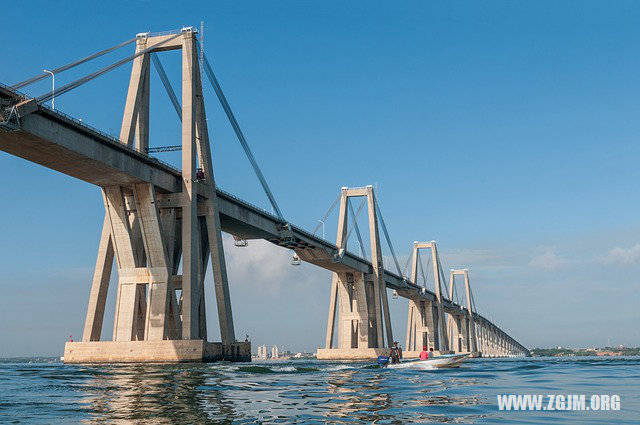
[
  {"x": 431, "y": 352},
  {"x": 396, "y": 353},
  {"x": 424, "y": 354}
]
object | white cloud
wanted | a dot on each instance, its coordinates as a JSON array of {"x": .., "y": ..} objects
[
  {"x": 477, "y": 258},
  {"x": 547, "y": 259},
  {"x": 622, "y": 256},
  {"x": 265, "y": 267}
]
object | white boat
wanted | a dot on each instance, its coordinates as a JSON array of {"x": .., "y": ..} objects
[{"x": 443, "y": 361}]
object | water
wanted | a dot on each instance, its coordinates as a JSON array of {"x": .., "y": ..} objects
[{"x": 46, "y": 391}]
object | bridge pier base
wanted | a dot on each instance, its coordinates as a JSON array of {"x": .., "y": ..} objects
[
  {"x": 351, "y": 353},
  {"x": 163, "y": 351}
]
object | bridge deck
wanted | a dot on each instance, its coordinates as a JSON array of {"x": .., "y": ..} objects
[{"x": 67, "y": 145}]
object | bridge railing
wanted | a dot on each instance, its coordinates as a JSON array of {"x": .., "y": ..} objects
[
  {"x": 91, "y": 129},
  {"x": 24, "y": 96},
  {"x": 249, "y": 204},
  {"x": 161, "y": 33},
  {"x": 111, "y": 138}
]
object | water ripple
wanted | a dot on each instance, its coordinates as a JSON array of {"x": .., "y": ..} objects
[{"x": 44, "y": 391}]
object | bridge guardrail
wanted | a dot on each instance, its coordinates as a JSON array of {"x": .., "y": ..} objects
[
  {"x": 92, "y": 129},
  {"x": 24, "y": 96}
]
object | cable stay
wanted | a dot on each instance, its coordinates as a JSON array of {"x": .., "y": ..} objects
[
  {"x": 386, "y": 235},
  {"x": 473, "y": 302},
  {"x": 167, "y": 85},
  {"x": 406, "y": 267},
  {"x": 70, "y": 65},
  {"x": 208, "y": 71},
  {"x": 455, "y": 296},
  {"x": 355, "y": 223},
  {"x": 427, "y": 273},
  {"x": 236, "y": 127},
  {"x": 424, "y": 276},
  {"x": 442, "y": 277},
  {"x": 324, "y": 218},
  {"x": 81, "y": 81}
]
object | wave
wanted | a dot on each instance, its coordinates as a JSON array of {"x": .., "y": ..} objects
[{"x": 276, "y": 369}]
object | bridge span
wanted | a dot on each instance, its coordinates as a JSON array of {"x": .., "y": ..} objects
[{"x": 158, "y": 217}]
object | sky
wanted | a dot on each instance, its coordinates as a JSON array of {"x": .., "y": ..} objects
[{"x": 507, "y": 131}]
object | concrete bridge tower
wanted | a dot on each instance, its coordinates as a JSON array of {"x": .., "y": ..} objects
[
  {"x": 360, "y": 299},
  {"x": 462, "y": 330},
  {"x": 160, "y": 314},
  {"x": 426, "y": 318}
]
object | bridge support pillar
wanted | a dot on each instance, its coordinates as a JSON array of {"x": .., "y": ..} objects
[
  {"x": 462, "y": 326},
  {"x": 457, "y": 333},
  {"x": 160, "y": 314},
  {"x": 420, "y": 325},
  {"x": 426, "y": 324},
  {"x": 359, "y": 299}
]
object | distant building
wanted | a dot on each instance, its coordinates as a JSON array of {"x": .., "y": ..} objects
[
  {"x": 274, "y": 352},
  {"x": 262, "y": 352}
]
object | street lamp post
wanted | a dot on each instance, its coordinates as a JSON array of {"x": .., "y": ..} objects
[
  {"x": 53, "y": 89},
  {"x": 322, "y": 222}
]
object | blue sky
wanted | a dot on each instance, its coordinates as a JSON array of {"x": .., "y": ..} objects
[{"x": 505, "y": 130}]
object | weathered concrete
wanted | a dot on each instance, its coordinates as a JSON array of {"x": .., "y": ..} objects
[
  {"x": 350, "y": 354},
  {"x": 462, "y": 330},
  {"x": 359, "y": 299},
  {"x": 148, "y": 234},
  {"x": 167, "y": 351},
  {"x": 425, "y": 318}
]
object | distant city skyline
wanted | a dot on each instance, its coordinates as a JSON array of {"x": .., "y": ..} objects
[{"x": 508, "y": 132}]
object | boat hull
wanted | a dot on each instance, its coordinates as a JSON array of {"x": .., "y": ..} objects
[{"x": 440, "y": 362}]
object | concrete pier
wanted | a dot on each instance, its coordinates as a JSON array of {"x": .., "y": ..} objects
[
  {"x": 351, "y": 353},
  {"x": 167, "y": 351}
]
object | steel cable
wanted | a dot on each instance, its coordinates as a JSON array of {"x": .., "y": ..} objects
[
  {"x": 236, "y": 127},
  {"x": 167, "y": 85},
  {"x": 71, "y": 65},
  {"x": 100, "y": 72}
]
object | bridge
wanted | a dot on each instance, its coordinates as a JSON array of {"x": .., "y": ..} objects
[{"x": 163, "y": 224}]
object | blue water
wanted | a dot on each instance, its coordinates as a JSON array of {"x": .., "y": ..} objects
[{"x": 46, "y": 391}]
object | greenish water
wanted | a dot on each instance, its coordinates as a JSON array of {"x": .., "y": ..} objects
[{"x": 46, "y": 391}]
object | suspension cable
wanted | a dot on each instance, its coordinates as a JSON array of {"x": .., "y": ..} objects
[
  {"x": 344, "y": 242},
  {"x": 236, "y": 127},
  {"x": 427, "y": 273},
  {"x": 473, "y": 302},
  {"x": 455, "y": 293},
  {"x": 100, "y": 72},
  {"x": 386, "y": 235},
  {"x": 71, "y": 65},
  {"x": 424, "y": 276},
  {"x": 406, "y": 266},
  {"x": 355, "y": 223},
  {"x": 442, "y": 277},
  {"x": 167, "y": 85},
  {"x": 329, "y": 211}
]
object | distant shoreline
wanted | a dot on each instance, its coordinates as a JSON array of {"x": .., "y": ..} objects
[{"x": 586, "y": 352}]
